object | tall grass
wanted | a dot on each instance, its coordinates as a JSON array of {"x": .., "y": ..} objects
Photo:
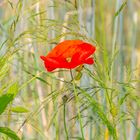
[{"x": 101, "y": 102}]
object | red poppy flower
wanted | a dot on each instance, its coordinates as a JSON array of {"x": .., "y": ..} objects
[{"x": 69, "y": 54}]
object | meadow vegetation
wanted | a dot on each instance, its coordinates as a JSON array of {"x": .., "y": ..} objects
[{"x": 96, "y": 102}]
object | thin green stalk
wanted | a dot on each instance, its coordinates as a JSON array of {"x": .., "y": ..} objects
[
  {"x": 65, "y": 125},
  {"x": 29, "y": 81},
  {"x": 90, "y": 131},
  {"x": 114, "y": 43},
  {"x": 77, "y": 101}
]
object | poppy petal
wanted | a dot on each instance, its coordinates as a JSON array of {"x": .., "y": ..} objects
[
  {"x": 43, "y": 58},
  {"x": 69, "y": 54},
  {"x": 48, "y": 67},
  {"x": 89, "y": 61}
]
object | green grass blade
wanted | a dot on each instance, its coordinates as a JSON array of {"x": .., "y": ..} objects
[{"x": 11, "y": 134}]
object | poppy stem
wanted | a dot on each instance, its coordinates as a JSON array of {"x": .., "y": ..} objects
[
  {"x": 65, "y": 125},
  {"x": 72, "y": 78},
  {"x": 77, "y": 101}
]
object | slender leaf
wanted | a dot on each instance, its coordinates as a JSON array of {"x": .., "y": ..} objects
[
  {"x": 120, "y": 9},
  {"x": 19, "y": 109},
  {"x": 11, "y": 134},
  {"x": 4, "y": 101}
]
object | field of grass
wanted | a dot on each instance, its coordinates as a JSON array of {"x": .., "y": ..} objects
[{"x": 99, "y": 101}]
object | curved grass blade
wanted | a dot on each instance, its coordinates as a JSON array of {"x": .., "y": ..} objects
[
  {"x": 4, "y": 101},
  {"x": 11, "y": 134}
]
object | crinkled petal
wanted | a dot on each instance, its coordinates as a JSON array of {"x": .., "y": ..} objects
[{"x": 69, "y": 54}]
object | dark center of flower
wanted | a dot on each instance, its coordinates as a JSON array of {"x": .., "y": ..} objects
[{"x": 68, "y": 59}]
